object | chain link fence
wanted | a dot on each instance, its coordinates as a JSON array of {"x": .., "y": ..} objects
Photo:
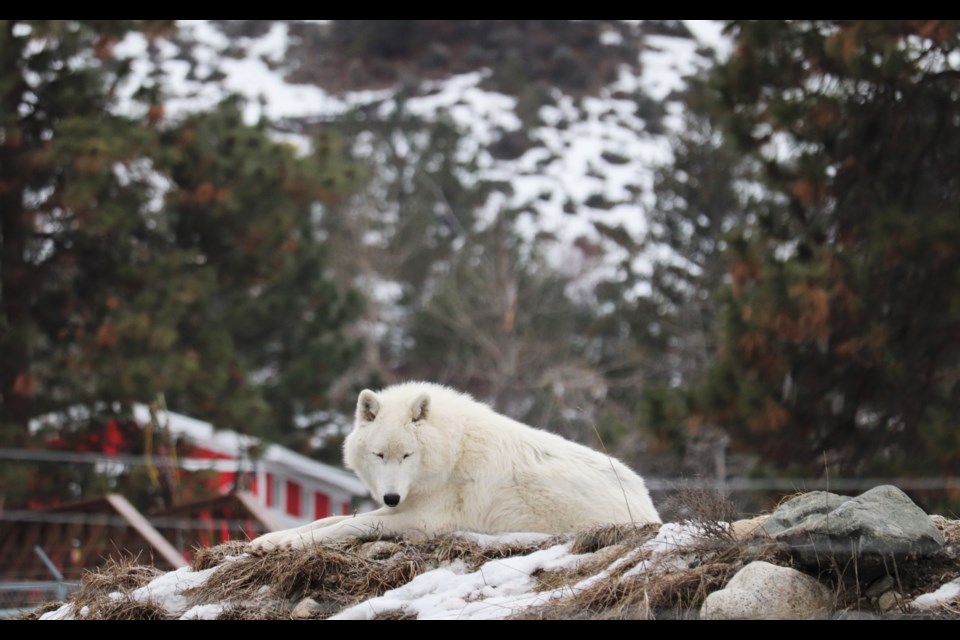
[{"x": 17, "y": 598}]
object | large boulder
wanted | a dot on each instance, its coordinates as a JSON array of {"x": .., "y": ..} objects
[{"x": 873, "y": 530}]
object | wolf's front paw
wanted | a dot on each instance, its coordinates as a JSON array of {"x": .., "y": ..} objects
[{"x": 272, "y": 541}]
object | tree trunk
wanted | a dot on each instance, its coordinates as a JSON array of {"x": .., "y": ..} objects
[
  {"x": 16, "y": 384},
  {"x": 15, "y": 380}
]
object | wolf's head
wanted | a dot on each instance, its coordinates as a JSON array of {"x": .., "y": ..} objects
[{"x": 386, "y": 446}]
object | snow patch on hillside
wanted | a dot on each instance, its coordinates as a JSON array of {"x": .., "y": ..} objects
[{"x": 591, "y": 163}]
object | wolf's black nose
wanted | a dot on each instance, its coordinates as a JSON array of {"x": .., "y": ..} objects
[{"x": 391, "y": 499}]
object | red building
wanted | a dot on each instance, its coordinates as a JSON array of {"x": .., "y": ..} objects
[{"x": 293, "y": 488}]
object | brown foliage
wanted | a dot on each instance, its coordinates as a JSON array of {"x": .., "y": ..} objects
[
  {"x": 106, "y": 335},
  {"x": 25, "y": 384},
  {"x": 771, "y": 419}
]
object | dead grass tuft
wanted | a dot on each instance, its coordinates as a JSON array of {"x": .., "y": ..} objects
[
  {"x": 711, "y": 510},
  {"x": 209, "y": 557},
  {"x": 950, "y": 529},
  {"x": 591, "y": 540},
  {"x": 324, "y": 573},
  {"x": 449, "y": 547},
  {"x": 104, "y": 592},
  {"x": 117, "y": 575}
]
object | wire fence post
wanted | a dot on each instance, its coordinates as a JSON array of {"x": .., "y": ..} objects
[{"x": 61, "y": 587}]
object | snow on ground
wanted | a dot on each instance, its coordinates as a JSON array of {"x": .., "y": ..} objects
[
  {"x": 497, "y": 589},
  {"x": 943, "y": 595},
  {"x": 671, "y": 538}
]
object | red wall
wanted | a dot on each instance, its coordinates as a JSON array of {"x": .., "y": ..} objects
[
  {"x": 269, "y": 490},
  {"x": 321, "y": 505},
  {"x": 294, "y": 502}
]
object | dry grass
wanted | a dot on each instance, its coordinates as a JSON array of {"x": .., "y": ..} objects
[
  {"x": 709, "y": 509},
  {"x": 674, "y": 586},
  {"x": 324, "y": 573},
  {"x": 950, "y": 529},
  {"x": 591, "y": 540},
  {"x": 210, "y": 557},
  {"x": 117, "y": 575},
  {"x": 447, "y": 548},
  {"x": 643, "y": 596},
  {"x": 104, "y": 593},
  {"x": 267, "y": 587},
  {"x": 337, "y": 574}
]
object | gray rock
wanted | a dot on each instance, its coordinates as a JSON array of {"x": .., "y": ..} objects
[
  {"x": 800, "y": 509},
  {"x": 306, "y": 608},
  {"x": 889, "y": 601},
  {"x": 750, "y": 528},
  {"x": 879, "y": 587},
  {"x": 379, "y": 549},
  {"x": 864, "y": 535},
  {"x": 765, "y": 591}
]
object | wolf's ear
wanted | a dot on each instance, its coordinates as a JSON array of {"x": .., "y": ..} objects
[
  {"x": 420, "y": 408},
  {"x": 368, "y": 406}
]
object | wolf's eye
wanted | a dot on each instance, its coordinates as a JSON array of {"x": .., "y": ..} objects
[
  {"x": 407, "y": 455},
  {"x": 379, "y": 455}
]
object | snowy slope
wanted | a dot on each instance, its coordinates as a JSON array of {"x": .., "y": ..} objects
[{"x": 592, "y": 158}]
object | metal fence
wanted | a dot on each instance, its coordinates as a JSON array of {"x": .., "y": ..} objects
[{"x": 17, "y": 598}]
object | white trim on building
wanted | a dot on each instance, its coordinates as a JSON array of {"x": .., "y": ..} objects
[{"x": 281, "y": 464}]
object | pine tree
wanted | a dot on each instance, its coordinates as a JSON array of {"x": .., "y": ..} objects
[
  {"x": 840, "y": 322},
  {"x": 498, "y": 323},
  {"x": 60, "y": 196},
  {"x": 478, "y": 308},
  {"x": 245, "y": 210},
  {"x": 141, "y": 255},
  {"x": 700, "y": 199}
]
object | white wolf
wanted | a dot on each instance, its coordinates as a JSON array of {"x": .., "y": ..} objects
[{"x": 439, "y": 461}]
